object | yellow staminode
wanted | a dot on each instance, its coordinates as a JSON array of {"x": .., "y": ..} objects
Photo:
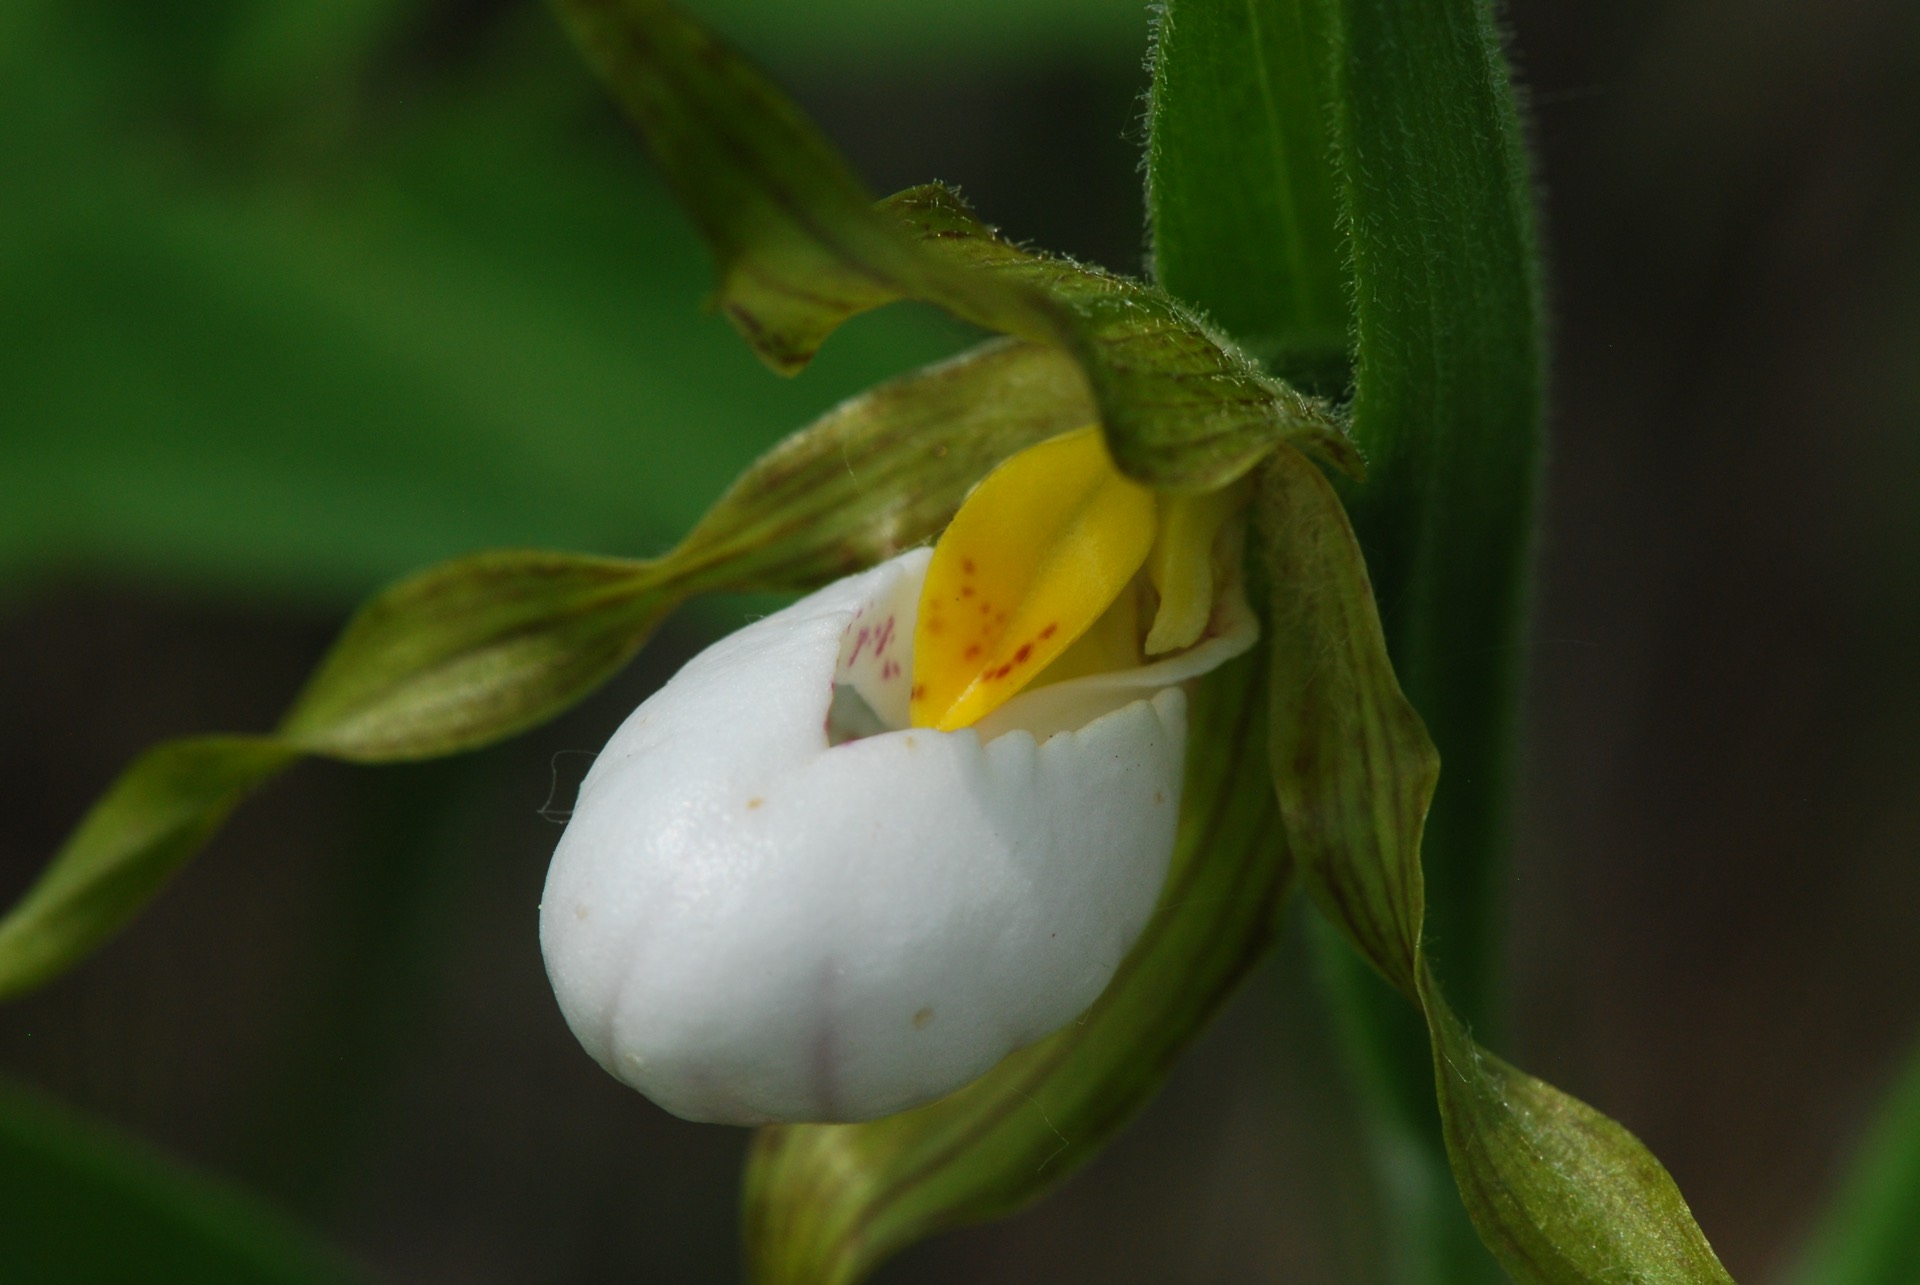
[
  {"x": 1039, "y": 552},
  {"x": 1181, "y": 565}
]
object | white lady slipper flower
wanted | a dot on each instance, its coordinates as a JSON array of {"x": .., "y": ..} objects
[{"x": 854, "y": 854}]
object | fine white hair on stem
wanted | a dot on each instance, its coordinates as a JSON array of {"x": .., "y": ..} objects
[{"x": 751, "y": 919}]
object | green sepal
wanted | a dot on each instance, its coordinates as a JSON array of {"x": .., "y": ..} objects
[
  {"x": 826, "y": 1203},
  {"x": 475, "y": 650},
  {"x": 482, "y": 647},
  {"x": 156, "y": 816},
  {"x": 798, "y": 245},
  {"x": 1560, "y": 1193},
  {"x": 1332, "y": 447},
  {"x": 801, "y": 250},
  {"x": 883, "y": 471},
  {"x": 1183, "y": 409}
]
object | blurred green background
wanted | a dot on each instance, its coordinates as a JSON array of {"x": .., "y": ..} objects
[{"x": 298, "y": 296}]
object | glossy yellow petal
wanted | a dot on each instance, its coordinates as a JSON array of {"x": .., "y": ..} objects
[
  {"x": 1181, "y": 565},
  {"x": 1039, "y": 551},
  {"x": 1111, "y": 643}
]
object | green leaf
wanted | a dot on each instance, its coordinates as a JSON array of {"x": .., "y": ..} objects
[
  {"x": 1367, "y": 153},
  {"x": 483, "y": 647},
  {"x": 1240, "y": 187},
  {"x": 1868, "y": 1235},
  {"x": 1559, "y": 1193},
  {"x": 1435, "y": 196},
  {"x": 826, "y": 1203},
  {"x": 85, "y": 1205},
  {"x": 801, "y": 249}
]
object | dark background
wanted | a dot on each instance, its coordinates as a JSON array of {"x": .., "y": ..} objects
[{"x": 296, "y": 297}]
